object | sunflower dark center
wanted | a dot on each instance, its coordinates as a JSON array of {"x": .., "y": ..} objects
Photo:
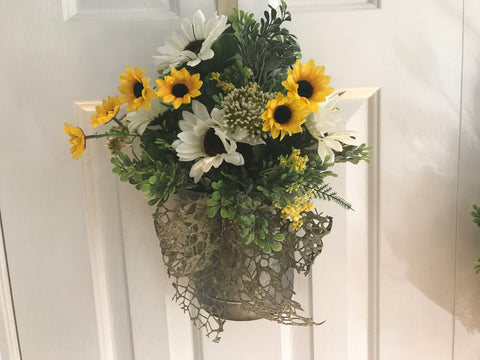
[
  {"x": 282, "y": 114},
  {"x": 194, "y": 46},
  {"x": 179, "y": 90},
  {"x": 213, "y": 144},
  {"x": 137, "y": 89},
  {"x": 305, "y": 89}
]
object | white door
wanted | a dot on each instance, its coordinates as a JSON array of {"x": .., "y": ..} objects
[
  {"x": 424, "y": 57},
  {"x": 395, "y": 280}
]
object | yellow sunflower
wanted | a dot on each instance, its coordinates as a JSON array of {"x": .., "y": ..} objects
[
  {"x": 179, "y": 88},
  {"x": 106, "y": 111},
  {"x": 308, "y": 81},
  {"x": 77, "y": 140},
  {"x": 284, "y": 114},
  {"x": 135, "y": 89}
]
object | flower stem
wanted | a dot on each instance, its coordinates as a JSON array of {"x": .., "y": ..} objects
[
  {"x": 118, "y": 134},
  {"x": 117, "y": 121}
]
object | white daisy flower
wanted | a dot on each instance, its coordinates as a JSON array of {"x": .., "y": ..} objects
[
  {"x": 323, "y": 125},
  {"x": 202, "y": 139},
  {"x": 192, "y": 42},
  {"x": 137, "y": 122}
]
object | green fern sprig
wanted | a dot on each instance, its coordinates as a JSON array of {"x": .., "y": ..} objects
[
  {"x": 326, "y": 192},
  {"x": 267, "y": 47}
]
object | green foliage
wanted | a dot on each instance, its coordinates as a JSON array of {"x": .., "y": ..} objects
[
  {"x": 225, "y": 49},
  {"x": 266, "y": 46},
  {"x": 353, "y": 154},
  {"x": 251, "y": 196},
  {"x": 476, "y": 219},
  {"x": 237, "y": 74},
  {"x": 476, "y": 215},
  {"x": 325, "y": 192},
  {"x": 477, "y": 266},
  {"x": 258, "y": 222},
  {"x": 157, "y": 179},
  {"x": 223, "y": 200}
]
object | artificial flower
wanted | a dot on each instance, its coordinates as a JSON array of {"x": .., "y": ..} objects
[
  {"x": 115, "y": 144},
  {"x": 192, "y": 42},
  {"x": 284, "y": 114},
  {"x": 241, "y": 114},
  {"x": 77, "y": 140},
  {"x": 137, "y": 122},
  {"x": 294, "y": 160},
  {"x": 293, "y": 211},
  {"x": 106, "y": 111},
  {"x": 179, "y": 88},
  {"x": 323, "y": 125},
  {"x": 135, "y": 89},
  {"x": 309, "y": 82},
  {"x": 203, "y": 140}
]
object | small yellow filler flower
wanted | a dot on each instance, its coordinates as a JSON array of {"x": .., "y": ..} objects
[
  {"x": 294, "y": 160},
  {"x": 293, "y": 211},
  {"x": 179, "y": 88},
  {"x": 135, "y": 89},
  {"x": 77, "y": 140},
  {"x": 309, "y": 82},
  {"x": 106, "y": 111},
  {"x": 284, "y": 114}
]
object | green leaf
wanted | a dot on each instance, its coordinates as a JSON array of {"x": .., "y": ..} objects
[
  {"x": 244, "y": 232},
  {"x": 276, "y": 246},
  {"x": 211, "y": 202},
  {"x": 279, "y": 237},
  {"x": 224, "y": 213},
  {"x": 212, "y": 211},
  {"x": 216, "y": 195},
  {"x": 266, "y": 248},
  {"x": 231, "y": 212},
  {"x": 217, "y": 185}
]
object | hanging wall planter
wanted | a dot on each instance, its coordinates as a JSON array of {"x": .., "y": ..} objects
[
  {"x": 232, "y": 144},
  {"x": 218, "y": 277}
]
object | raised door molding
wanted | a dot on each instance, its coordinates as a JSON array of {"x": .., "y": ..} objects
[
  {"x": 345, "y": 276},
  {"x": 258, "y": 7},
  {"x": 324, "y": 5},
  {"x": 120, "y": 10},
  {"x": 105, "y": 244},
  {"x": 9, "y": 345}
]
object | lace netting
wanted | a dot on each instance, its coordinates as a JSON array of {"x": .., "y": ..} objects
[{"x": 218, "y": 277}]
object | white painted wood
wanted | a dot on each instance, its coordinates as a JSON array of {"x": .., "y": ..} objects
[
  {"x": 225, "y": 7},
  {"x": 120, "y": 227},
  {"x": 467, "y": 250},
  {"x": 391, "y": 48},
  {"x": 85, "y": 10},
  {"x": 60, "y": 304},
  {"x": 105, "y": 239},
  {"x": 148, "y": 288},
  {"x": 60, "y": 257},
  {"x": 9, "y": 345},
  {"x": 259, "y": 6},
  {"x": 345, "y": 275},
  {"x": 332, "y": 5}
]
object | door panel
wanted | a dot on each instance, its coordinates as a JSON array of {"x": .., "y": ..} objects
[
  {"x": 50, "y": 63},
  {"x": 395, "y": 279},
  {"x": 125, "y": 257},
  {"x": 467, "y": 283}
]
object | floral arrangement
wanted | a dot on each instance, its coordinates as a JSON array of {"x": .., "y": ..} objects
[{"x": 236, "y": 116}]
